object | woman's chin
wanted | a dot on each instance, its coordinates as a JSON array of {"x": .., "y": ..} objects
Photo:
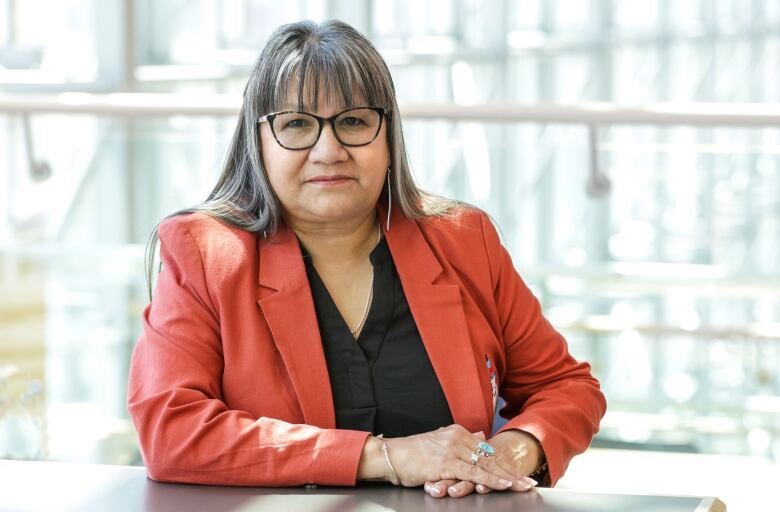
[{"x": 333, "y": 213}]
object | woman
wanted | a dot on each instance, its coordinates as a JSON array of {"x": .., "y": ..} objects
[{"x": 319, "y": 319}]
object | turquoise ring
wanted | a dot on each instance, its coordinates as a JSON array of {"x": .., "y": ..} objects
[{"x": 485, "y": 449}]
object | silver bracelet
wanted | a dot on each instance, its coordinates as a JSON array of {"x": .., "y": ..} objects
[{"x": 387, "y": 458}]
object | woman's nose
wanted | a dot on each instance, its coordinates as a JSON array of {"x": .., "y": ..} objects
[{"x": 328, "y": 149}]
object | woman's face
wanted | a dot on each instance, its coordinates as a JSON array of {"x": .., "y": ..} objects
[{"x": 328, "y": 182}]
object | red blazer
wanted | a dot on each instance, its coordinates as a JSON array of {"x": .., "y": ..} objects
[{"x": 228, "y": 381}]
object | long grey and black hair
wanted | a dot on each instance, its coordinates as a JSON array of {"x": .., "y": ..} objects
[{"x": 331, "y": 60}]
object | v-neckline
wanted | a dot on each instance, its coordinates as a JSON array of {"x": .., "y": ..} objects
[
  {"x": 380, "y": 314},
  {"x": 333, "y": 310},
  {"x": 378, "y": 255}
]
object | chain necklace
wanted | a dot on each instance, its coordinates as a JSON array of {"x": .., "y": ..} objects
[{"x": 370, "y": 294}]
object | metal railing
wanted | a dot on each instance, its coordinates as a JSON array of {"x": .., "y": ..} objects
[{"x": 599, "y": 114}]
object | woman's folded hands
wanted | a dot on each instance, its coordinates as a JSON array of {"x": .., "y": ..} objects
[{"x": 451, "y": 461}]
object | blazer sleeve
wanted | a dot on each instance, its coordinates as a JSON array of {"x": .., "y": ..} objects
[
  {"x": 548, "y": 393},
  {"x": 185, "y": 430}
]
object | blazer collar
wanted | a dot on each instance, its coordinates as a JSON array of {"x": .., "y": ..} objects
[
  {"x": 280, "y": 259},
  {"x": 412, "y": 255}
]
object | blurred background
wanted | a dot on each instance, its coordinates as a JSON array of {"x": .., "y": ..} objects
[{"x": 638, "y": 197}]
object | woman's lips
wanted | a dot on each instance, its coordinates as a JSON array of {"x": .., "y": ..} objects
[{"x": 330, "y": 181}]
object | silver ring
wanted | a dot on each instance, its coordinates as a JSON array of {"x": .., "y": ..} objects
[{"x": 474, "y": 458}]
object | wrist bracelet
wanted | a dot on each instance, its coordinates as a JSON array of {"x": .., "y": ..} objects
[
  {"x": 538, "y": 471},
  {"x": 397, "y": 480}
]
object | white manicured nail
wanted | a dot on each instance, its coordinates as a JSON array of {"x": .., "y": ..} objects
[{"x": 530, "y": 481}]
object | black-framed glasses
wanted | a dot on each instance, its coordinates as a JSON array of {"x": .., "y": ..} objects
[{"x": 353, "y": 127}]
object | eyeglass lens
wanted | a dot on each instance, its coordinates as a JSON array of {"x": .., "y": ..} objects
[{"x": 298, "y": 130}]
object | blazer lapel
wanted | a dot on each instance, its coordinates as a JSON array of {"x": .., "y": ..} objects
[
  {"x": 286, "y": 301},
  {"x": 438, "y": 311}
]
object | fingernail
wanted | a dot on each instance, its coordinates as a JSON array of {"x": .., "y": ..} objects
[
  {"x": 481, "y": 488},
  {"x": 505, "y": 483},
  {"x": 530, "y": 481},
  {"x": 452, "y": 491},
  {"x": 436, "y": 489}
]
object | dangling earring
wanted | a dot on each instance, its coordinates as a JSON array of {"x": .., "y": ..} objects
[{"x": 389, "y": 198}]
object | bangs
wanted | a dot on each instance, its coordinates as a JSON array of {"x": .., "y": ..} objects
[{"x": 344, "y": 76}]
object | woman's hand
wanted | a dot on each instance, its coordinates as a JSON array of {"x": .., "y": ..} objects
[
  {"x": 517, "y": 455},
  {"x": 443, "y": 454}
]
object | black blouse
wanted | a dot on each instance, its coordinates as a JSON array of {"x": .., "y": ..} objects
[{"x": 383, "y": 382}]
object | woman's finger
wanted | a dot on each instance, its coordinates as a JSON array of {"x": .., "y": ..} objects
[
  {"x": 523, "y": 484},
  {"x": 519, "y": 483},
  {"x": 481, "y": 489},
  {"x": 439, "y": 489},
  {"x": 461, "y": 489},
  {"x": 492, "y": 463},
  {"x": 475, "y": 474},
  {"x": 493, "y": 467}
]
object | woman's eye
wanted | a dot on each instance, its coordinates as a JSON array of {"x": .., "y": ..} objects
[
  {"x": 297, "y": 123},
  {"x": 352, "y": 121}
]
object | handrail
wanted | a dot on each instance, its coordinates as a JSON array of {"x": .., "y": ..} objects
[{"x": 168, "y": 104}]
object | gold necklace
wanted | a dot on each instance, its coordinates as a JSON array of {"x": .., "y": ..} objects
[{"x": 370, "y": 294}]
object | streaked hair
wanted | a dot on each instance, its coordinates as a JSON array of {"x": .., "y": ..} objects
[{"x": 328, "y": 60}]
